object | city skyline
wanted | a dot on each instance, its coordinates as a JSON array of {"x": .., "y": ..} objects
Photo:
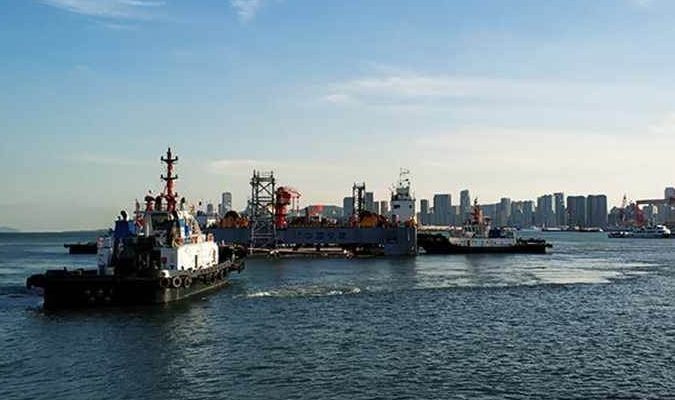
[{"x": 570, "y": 96}]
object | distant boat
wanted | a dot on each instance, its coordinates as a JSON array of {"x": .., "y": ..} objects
[
  {"x": 477, "y": 237},
  {"x": 649, "y": 232}
]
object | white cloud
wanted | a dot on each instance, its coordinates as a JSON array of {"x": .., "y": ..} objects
[
  {"x": 246, "y": 9},
  {"x": 107, "y": 8}
]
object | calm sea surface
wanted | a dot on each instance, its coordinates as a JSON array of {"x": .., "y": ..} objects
[{"x": 594, "y": 319}]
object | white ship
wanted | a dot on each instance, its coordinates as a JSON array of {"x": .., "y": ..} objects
[
  {"x": 648, "y": 232},
  {"x": 402, "y": 201}
]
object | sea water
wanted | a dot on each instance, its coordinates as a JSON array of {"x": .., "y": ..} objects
[{"x": 595, "y": 318}]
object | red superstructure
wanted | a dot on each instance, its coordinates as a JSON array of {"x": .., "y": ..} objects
[{"x": 285, "y": 196}]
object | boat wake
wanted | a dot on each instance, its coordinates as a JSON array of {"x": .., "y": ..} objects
[{"x": 299, "y": 292}]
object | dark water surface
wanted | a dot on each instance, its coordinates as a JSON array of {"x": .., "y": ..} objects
[{"x": 594, "y": 319}]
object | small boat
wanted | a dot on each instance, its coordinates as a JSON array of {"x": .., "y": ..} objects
[
  {"x": 477, "y": 237},
  {"x": 158, "y": 257},
  {"x": 648, "y": 232},
  {"x": 81, "y": 248}
]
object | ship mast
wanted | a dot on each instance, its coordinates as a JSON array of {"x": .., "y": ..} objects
[{"x": 169, "y": 193}]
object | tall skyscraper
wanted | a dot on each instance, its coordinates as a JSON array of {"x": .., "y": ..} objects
[
  {"x": 423, "y": 217},
  {"x": 528, "y": 213},
  {"x": 521, "y": 214},
  {"x": 369, "y": 202},
  {"x": 225, "y": 202},
  {"x": 442, "y": 205},
  {"x": 560, "y": 213},
  {"x": 596, "y": 211},
  {"x": 576, "y": 211},
  {"x": 464, "y": 205},
  {"x": 503, "y": 212},
  {"x": 545, "y": 215}
]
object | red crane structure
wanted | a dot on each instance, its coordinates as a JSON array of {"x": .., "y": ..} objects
[{"x": 285, "y": 196}]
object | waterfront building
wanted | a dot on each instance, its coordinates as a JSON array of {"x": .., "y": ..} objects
[
  {"x": 596, "y": 211},
  {"x": 559, "y": 206},
  {"x": 545, "y": 214},
  {"x": 576, "y": 211},
  {"x": 503, "y": 212},
  {"x": 521, "y": 214},
  {"x": 464, "y": 205},
  {"x": 442, "y": 205},
  {"x": 490, "y": 211}
]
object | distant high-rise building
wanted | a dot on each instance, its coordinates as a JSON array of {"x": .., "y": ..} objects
[
  {"x": 490, "y": 211},
  {"x": 424, "y": 215},
  {"x": 503, "y": 212},
  {"x": 596, "y": 211},
  {"x": 576, "y": 211},
  {"x": 442, "y": 204},
  {"x": 384, "y": 207},
  {"x": 666, "y": 210},
  {"x": 210, "y": 210},
  {"x": 464, "y": 205},
  {"x": 559, "y": 206},
  {"x": 521, "y": 214},
  {"x": 545, "y": 215},
  {"x": 348, "y": 206},
  {"x": 454, "y": 216},
  {"x": 225, "y": 202},
  {"x": 369, "y": 202}
]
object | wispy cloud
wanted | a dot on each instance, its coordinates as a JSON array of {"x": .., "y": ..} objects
[
  {"x": 432, "y": 91},
  {"x": 129, "y": 9},
  {"x": 246, "y": 9}
]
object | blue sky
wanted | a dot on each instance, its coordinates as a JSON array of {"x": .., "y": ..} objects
[{"x": 506, "y": 98}]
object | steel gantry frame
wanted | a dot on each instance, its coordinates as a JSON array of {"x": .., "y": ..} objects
[{"x": 261, "y": 206}]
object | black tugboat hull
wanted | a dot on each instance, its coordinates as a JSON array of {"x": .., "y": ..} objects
[
  {"x": 515, "y": 249},
  {"x": 81, "y": 248},
  {"x": 78, "y": 289}
]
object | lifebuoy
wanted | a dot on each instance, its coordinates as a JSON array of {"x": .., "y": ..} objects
[
  {"x": 176, "y": 282},
  {"x": 187, "y": 281}
]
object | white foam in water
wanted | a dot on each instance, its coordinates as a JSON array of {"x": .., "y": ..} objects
[{"x": 310, "y": 291}]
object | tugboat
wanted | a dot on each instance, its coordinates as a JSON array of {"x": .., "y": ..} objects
[
  {"x": 477, "y": 237},
  {"x": 159, "y": 257}
]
